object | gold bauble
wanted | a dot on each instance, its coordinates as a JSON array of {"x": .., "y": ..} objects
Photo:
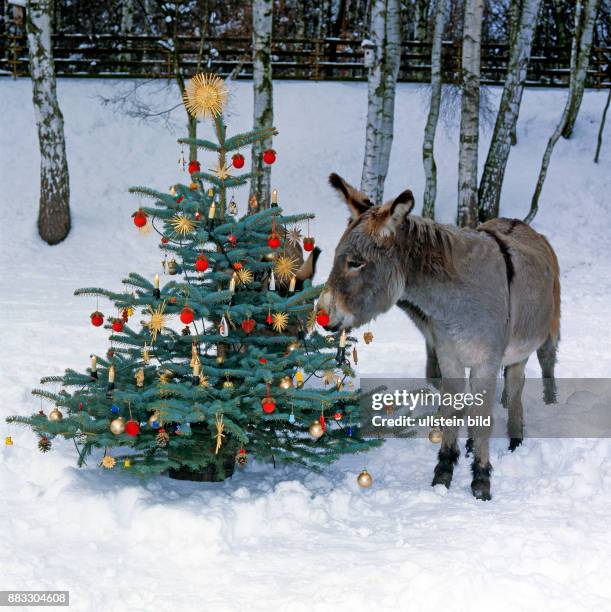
[
  {"x": 172, "y": 266},
  {"x": 292, "y": 347},
  {"x": 127, "y": 463},
  {"x": 220, "y": 359},
  {"x": 117, "y": 426},
  {"x": 286, "y": 382},
  {"x": 228, "y": 384},
  {"x": 55, "y": 415},
  {"x": 316, "y": 430},
  {"x": 368, "y": 337},
  {"x": 435, "y": 435},
  {"x": 364, "y": 479},
  {"x": 8, "y": 441}
]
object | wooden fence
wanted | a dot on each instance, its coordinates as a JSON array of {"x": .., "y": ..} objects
[{"x": 324, "y": 59}]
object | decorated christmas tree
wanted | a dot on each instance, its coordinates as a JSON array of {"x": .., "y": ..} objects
[{"x": 249, "y": 372}]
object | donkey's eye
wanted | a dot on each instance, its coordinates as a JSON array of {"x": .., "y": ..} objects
[{"x": 355, "y": 264}]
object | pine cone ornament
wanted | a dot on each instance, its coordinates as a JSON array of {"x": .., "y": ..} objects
[{"x": 44, "y": 444}]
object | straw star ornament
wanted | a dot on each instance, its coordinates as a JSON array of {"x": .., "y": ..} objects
[{"x": 205, "y": 96}]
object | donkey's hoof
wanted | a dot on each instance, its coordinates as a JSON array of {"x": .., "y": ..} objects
[
  {"x": 469, "y": 447},
  {"x": 480, "y": 486},
  {"x": 481, "y": 489},
  {"x": 443, "y": 476},
  {"x": 514, "y": 443}
]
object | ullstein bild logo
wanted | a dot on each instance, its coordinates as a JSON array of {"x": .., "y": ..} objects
[{"x": 392, "y": 407}]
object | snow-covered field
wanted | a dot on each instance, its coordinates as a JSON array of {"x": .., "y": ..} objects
[{"x": 287, "y": 539}]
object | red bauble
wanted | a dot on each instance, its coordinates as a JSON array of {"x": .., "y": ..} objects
[
  {"x": 97, "y": 318},
  {"x": 322, "y": 318},
  {"x": 237, "y": 265},
  {"x": 197, "y": 215},
  {"x": 132, "y": 428},
  {"x": 140, "y": 218},
  {"x": 323, "y": 423},
  {"x": 164, "y": 240},
  {"x": 268, "y": 405},
  {"x": 269, "y": 319},
  {"x": 186, "y": 315},
  {"x": 238, "y": 160},
  {"x": 308, "y": 243},
  {"x": 248, "y": 325},
  {"x": 117, "y": 325},
  {"x": 232, "y": 239},
  {"x": 194, "y": 166},
  {"x": 201, "y": 263},
  {"x": 338, "y": 416},
  {"x": 269, "y": 156},
  {"x": 262, "y": 360},
  {"x": 273, "y": 241}
]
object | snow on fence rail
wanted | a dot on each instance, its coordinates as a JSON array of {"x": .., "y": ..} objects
[{"x": 315, "y": 59}]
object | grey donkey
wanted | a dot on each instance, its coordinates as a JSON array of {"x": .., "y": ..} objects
[{"x": 483, "y": 298}]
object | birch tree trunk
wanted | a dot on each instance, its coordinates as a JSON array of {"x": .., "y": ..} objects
[
  {"x": 469, "y": 114},
  {"x": 263, "y": 97},
  {"x": 385, "y": 34},
  {"x": 602, "y": 128},
  {"x": 507, "y": 118},
  {"x": 581, "y": 7},
  {"x": 127, "y": 24},
  {"x": 584, "y": 31},
  {"x": 54, "y": 209},
  {"x": 428, "y": 157}
]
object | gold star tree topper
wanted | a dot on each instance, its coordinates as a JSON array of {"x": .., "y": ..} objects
[{"x": 205, "y": 96}]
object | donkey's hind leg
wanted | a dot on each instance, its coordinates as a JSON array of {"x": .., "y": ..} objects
[
  {"x": 514, "y": 385},
  {"x": 452, "y": 382},
  {"x": 483, "y": 381},
  {"x": 546, "y": 354},
  {"x": 433, "y": 373}
]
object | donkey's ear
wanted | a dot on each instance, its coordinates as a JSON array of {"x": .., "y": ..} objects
[
  {"x": 394, "y": 211},
  {"x": 357, "y": 201}
]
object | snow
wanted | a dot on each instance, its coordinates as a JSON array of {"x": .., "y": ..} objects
[{"x": 286, "y": 538}]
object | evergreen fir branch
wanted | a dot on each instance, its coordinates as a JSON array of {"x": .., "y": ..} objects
[
  {"x": 136, "y": 280},
  {"x": 51, "y": 379},
  {"x": 247, "y": 138},
  {"x": 202, "y": 143},
  {"x": 54, "y": 397},
  {"x": 98, "y": 292},
  {"x": 164, "y": 199}
]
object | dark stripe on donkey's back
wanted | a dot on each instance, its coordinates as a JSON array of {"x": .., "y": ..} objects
[{"x": 509, "y": 269}]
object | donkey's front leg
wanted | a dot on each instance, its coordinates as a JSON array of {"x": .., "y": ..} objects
[
  {"x": 483, "y": 381},
  {"x": 452, "y": 382}
]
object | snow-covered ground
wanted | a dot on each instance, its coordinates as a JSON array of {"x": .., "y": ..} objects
[{"x": 287, "y": 539}]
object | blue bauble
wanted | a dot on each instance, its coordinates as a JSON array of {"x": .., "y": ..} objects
[
  {"x": 291, "y": 418},
  {"x": 114, "y": 409},
  {"x": 350, "y": 430}
]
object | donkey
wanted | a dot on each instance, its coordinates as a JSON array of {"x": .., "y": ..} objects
[{"x": 483, "y": 298}]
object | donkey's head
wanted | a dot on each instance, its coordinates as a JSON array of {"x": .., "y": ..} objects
[{"x": 367, "y": 277}]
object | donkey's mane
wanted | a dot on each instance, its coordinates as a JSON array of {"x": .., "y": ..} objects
[{"x": 427, "y": 245}]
